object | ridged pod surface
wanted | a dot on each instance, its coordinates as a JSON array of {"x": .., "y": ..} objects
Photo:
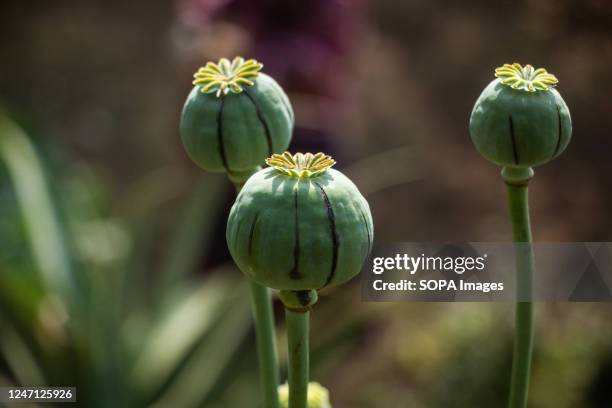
[
  {"x": 519, "y": 120},
  {"x": 235, "y": 117},
  {"x": 300, "y": 227}
]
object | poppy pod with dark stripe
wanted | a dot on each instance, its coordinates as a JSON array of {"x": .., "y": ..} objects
[
  {"x": 520, "y": 120},
  {"x": 300, "y": 225},
  {"x": 235, "y": 117}
]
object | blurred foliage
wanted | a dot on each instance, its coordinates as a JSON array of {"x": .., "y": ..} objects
[{"x": 68, "y": 314}]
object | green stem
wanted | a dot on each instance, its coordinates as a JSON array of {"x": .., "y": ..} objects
[
  {"x": 266, "y": 343},
  {"x": 238, "y": 178},
  {"x": 264, "y": 323},
  {"x": 297, "y": 339},
  {"x": 523, "y": 342}
]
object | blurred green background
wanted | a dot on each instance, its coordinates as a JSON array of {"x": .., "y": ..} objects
[{"x": 114, "y": 275}]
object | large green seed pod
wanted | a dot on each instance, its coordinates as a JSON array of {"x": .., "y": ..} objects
[
  {"x": 300, "y": 225},
  {"x": 519, "y": 120},
  {"x": 235, "y": 117}
]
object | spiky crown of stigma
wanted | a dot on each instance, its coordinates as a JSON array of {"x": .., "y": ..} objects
[
  {"x": 525, "y": 78},
  {"x": 225, "y": 76},
  {"x": 301, "y": 164}
]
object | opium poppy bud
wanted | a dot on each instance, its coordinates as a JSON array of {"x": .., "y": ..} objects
[
  {"x": 235, "y": 117},
  {"x": 300, "y": 225},
  {"x": 520, "y": 120},
  {"x": 318, "y": 396}
]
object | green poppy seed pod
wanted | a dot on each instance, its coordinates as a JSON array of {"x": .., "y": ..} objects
[
  {"x": 520, "y": 120},
  {"x": 235, "y": 117},
  {"x": 300, "y": 225}
]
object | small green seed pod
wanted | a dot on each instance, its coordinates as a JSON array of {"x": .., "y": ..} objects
[
  {"x": 519, "y": 120},
  {"x": 318, "y": 396},
  {"x": 300, "y": 225},
  {"x": 235, "y": 117}
]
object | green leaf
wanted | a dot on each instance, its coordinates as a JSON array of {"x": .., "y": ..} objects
[
  {"x": 183, "y": 329},
  {"x": 39, "y": 215},
  {"x": 201, "y": 373},
  {"x": 194, "y": 230}
]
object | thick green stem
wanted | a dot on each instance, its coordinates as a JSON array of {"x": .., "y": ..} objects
[
  {"x": 523, "y": 342},
  {"x": 266, "y": 343},
  {"x": 264, "y": 324},
  {"x": 299, "y": 369},
  {"x": 238, "y": 178}
]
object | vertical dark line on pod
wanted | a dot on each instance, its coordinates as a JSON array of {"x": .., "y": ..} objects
[
  {"x": 252, "y": 233},
  {"x": 220, "y": 134},
  {"x": 365, "y": 223},
  {"x": 334, "y": 234},
  {"x": 263, "y": 121},
  {"x": 559, "y": 133},
  {"x": 514, "y": 151},
  {"x": 295, "y": 273}
]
